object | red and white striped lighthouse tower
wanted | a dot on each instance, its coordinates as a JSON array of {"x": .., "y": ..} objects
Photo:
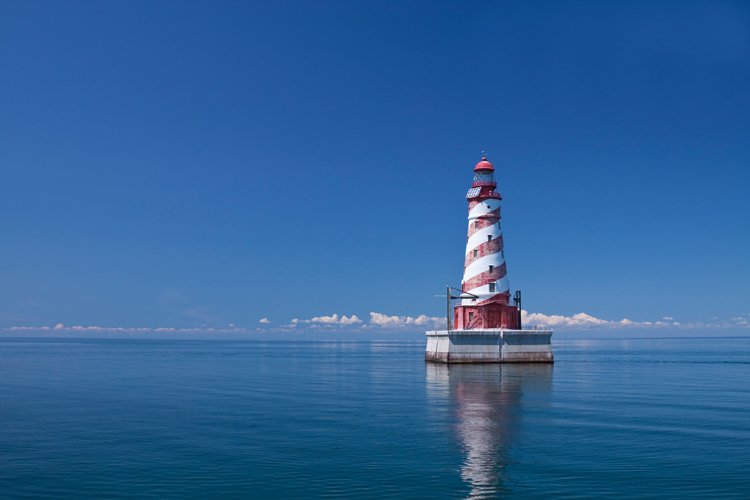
[{"x": 485, "y": 281}]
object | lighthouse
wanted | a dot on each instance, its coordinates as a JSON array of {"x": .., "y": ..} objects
[
  {"x": 486, "y": 327},
  {"x": 486, "y": 294}
]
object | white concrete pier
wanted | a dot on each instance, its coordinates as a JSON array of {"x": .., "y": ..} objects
[{"x": 490, "y": 346}]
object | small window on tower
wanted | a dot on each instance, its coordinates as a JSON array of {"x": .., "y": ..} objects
[
  {"x": 475, "y": 253},
  {"x": 489, "y": 237},
  {"x": 492, "y": 268},
  {"x": 492, "y": 287},
  {"x": 471, "y": 317},
  {"x": 476, "y": 224}
]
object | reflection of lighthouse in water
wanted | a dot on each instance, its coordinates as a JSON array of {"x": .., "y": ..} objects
[{"x": 488, "y": 404}]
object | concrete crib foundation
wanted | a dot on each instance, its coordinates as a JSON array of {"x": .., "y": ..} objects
[{"x": 490, "y": 346}]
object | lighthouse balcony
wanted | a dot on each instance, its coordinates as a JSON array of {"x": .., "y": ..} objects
[{"x": 479, "y": 190}]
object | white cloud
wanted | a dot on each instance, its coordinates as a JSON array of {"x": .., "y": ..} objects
[
  {"x": 333, "y": 319},
  {"x": 580, "y": 319},
  {"x": 386, "y": 321},
  {"x": 742, "y": 320},
  {"x": 377, "y": 320},
  {"x": 351, "y": 320},
  {"x": 326, "y": 320},
  {"x": 394, "y": 322},
  {"x": 123, "y": 329},
  {"x": 584, "y": 320}
]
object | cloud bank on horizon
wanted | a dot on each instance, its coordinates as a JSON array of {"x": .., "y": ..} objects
[{"x": 384, "y": 322}]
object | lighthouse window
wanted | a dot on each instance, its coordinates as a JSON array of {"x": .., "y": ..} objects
[
  {"x": 471, "y": 317},
  {"x": 489, "y": 237},
  {"x": 492, "y": 287},
  {"x": 491, "y": 269},
  {"x": 475, "y": 253}
]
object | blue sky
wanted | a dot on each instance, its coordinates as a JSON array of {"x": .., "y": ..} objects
[{"x": 199, "y": 165}]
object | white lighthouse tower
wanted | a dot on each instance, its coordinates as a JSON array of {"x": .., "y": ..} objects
[{"x": 486, "y": 327}]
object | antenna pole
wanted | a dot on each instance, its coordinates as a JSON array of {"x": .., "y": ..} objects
[
  {"x": 448, "y": 307},
  {"x": 517, "y": 300}
]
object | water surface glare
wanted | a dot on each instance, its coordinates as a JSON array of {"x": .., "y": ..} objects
[{"x": 179, "y": 418}]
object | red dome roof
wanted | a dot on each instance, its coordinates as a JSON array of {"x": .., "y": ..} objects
[{"x": 484, "y": 165}]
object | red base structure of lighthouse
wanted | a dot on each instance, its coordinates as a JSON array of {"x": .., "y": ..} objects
[{"x": 493, "y": 315}]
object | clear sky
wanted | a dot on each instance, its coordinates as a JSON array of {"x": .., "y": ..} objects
[{"x": 190, "y": 165}]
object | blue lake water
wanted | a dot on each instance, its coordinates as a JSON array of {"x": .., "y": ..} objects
[{"x": 179, "y": 418}]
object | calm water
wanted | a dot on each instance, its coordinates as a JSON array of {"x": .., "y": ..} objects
[{"x": 631, "y": 418}]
